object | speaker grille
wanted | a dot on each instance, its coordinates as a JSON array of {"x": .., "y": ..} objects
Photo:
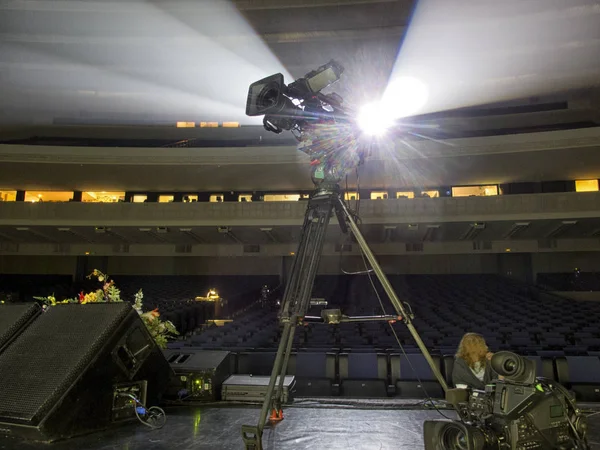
[
  {"x": 56, "y": 348},
  {"x": 13, "y": 318}
]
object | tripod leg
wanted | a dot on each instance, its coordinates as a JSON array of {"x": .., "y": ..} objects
[
  {"x": 391, "y": 293},
  {"x": 296, "y": 302},
  {"x": 252, "y": 435},
  {"x": 277, "y": 413}
]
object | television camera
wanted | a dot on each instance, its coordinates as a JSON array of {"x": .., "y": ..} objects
[
  {"x": 519, "y": 412},
  {"x": 294, "y": 106},
  {"x": 325, "y": 129}
]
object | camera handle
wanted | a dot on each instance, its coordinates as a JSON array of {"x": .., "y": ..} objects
[{"x": 296, "y": 300}]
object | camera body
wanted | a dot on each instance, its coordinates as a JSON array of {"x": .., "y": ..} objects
[
  {"x": 519, "y": 412},
  {"x": 301, "y": 102}
]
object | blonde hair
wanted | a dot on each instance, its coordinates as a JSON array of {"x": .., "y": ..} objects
[{"x": 472, "y": 349}]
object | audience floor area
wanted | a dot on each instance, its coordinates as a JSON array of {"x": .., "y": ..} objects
[{"x": 308, "y": 425}]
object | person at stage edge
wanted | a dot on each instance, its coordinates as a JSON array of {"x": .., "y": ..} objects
[{"x": 472, "y": 369}]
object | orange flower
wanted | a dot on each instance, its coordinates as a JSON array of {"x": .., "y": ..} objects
[{"x": 151, "y": 315}]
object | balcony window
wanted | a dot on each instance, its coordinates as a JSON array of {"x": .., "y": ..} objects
[
  {"x": 139, "y": 198},
  {"x": 102, "y": 197},
  {"x": 166, "y": 198},
  {"x": 48, "y": 196},
  {"x": 8, "y": 196},
  {"x": 474, "y": 191},
  {"x": 383, "y": 195},
  {"x": 586, "y": 185},
  {"x": 282, "y": 197}
]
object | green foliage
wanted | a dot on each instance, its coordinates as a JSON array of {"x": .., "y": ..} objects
[{"x": 160, "y": 330}]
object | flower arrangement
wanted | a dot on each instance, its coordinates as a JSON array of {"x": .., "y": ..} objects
[{"x": 159, "y": 329}]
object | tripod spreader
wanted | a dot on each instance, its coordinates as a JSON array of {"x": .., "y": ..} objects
[{"x": 334, "y": 316}]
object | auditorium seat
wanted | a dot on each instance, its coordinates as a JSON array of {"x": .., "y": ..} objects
[
  {"x": 580, "y": 374},
  {"x": 544, "y": 367},
  {"x": 363, "y": 374},
  {"x": 314, "y": 372},
  {"x": 448, "y": 366},
  {"x": 413, "y": 378},
  {"x": 256, "y": 363}
]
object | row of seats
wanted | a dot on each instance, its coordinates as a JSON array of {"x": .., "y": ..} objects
[
  {"x": 570, "y": 281},
  {"x": 510, "y": 315},
  {"x": 374, "y": 375}
]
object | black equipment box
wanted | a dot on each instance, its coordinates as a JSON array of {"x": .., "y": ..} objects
[{"x": 199, "y": 374}]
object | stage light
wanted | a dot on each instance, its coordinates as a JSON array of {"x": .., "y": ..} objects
[
  {"x": 405, "y": 96},
  {"x": 374, "y": 119}
]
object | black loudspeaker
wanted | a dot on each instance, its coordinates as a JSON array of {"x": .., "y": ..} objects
[
  {"x": 199, "y": 374},
  {"x": 67, "y": 373},
  {"x": 14, "y": 318}
]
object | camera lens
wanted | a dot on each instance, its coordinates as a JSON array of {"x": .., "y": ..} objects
[
  {"x": 510, "y": 365},
  {"x": 268, "y": 97},
  {"x": 454, "y": 438}
]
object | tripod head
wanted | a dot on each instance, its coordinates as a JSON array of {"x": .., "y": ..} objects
[{"x": 334, "y": 151}]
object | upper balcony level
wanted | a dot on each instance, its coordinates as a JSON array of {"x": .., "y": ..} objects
[
  {"x": 533, "y": 157},
  {"x": 516, "y": 223},
  {"x": 563, "y": 206}
]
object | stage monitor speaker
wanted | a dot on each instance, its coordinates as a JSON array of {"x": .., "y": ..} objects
[
  {"x": 199, "y": 374},
  {"x": 14, "y": 318},
  {"x": 67, "y": 373}
]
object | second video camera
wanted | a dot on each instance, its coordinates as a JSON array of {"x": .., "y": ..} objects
[{"x": 518, "y": 412}]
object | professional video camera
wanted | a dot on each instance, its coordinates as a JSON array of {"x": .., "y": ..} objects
[
  {"x": 520, "y": 412},
  {"x": 292, "y": 107},
  {"x": 326, "y": 131}
]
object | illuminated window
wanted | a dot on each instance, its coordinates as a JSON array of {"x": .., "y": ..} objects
[
  {"x": 430, "y": 194},
  {"x": 231, "y": 124},
  {"x": 216, "y": 198},
  {"x": 245, "y": 198},
  {"x": 209, "y": 124},
  {"x": 282, "y": 197},
  {"x": 166, "y": 198},
  {"x": 586, "y": 185},
  {"x": 379, "y": 195},
  {"x": 48, "y": 196},
  {"x": 186, "y": 124},
  {"x": 8, "y": 196},
  {"x": 351, "y": 196},
  {"x": 102, "y": 197},
  {"x": 190, "y": 198},
  {"x": 474, "y": 191},
  {"x": 405, "y": 194},
  {"x": 139, "y": 198}
]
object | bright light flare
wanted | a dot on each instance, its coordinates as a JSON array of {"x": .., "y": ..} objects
[
  {"x": 477, "y": 53},
  {"x": 131, "y": 62},
  {"x": 374, "y": 120},
  {"x": 404, "y": 97}
]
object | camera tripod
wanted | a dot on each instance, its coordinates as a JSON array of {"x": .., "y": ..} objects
[{"x": 296, "y": 301}]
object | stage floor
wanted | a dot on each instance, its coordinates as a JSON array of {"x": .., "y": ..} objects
[{"x": 307, "y": 426}]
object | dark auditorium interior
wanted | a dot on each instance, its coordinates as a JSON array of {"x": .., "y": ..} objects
[{"x": 179, "y": 270}]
